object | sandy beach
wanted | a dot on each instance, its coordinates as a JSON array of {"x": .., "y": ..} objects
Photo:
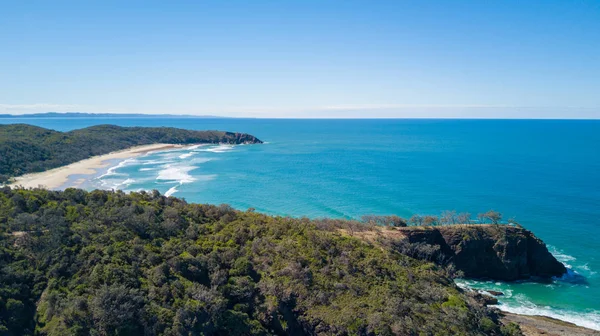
[
  {"x": 542, "y": 325},
  {"x": 56, "y": 177}
]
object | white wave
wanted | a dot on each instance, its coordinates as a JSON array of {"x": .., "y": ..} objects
[
  {"x": 586, "y": 269},
  {"x": 571, "y": 263},
  {"x": 117, "y": 184},
  {"x": 176, "y": 173},
  {"x": 219, "y": 149},
  {"x": 588, "y": 319},
  {"x": 112, "y": 171},
  {"x": 149, "y": 162},
  {"x": 147, "y": 169},
  {"x": 171, "y": 191},
  {"x": 518, "y": 303},
  {"x": 561, "y": 256},
  {"x": 195, "y": 146},
  {"x": 186, "y": 155}
]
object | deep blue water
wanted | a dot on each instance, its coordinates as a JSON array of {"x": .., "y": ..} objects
[{"x": 546, "y": 174}]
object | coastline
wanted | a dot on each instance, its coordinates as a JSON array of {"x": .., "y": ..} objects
[
  {"x": 57, "y": 177},
  {"x": 82, "y": 170},
  {"x": 534, "y": 325}
]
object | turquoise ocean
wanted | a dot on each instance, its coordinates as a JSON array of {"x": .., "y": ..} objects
[{"x": 544, "y": 173}]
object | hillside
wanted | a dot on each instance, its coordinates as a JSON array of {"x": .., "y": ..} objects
[
  {"x": 28, "y": 149},
  {"x": 110, "y": 263}
]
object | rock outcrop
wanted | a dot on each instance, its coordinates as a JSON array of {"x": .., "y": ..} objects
[{"x": 498, "y": 252}]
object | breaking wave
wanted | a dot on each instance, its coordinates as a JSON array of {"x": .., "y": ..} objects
[
  {"x": 176, "y": 173},
  {"x": 171, "y": 191},
  {"x": 519, "y": 303},
  {"x": 186, "y": 155},
  {"x": 523, "y": 306},
  {"x": 112, "y": 170},
  {"x": 219, "y": 149}
]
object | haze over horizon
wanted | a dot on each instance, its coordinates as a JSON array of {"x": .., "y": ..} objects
[{"x": 307, "y": 59}]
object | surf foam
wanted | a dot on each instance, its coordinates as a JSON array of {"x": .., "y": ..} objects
[
  {"x": 588, "y": 319},
  {"x": 219, "y": 149},
  {"x": 171, "y": 191},
  {"x": 186, "y": 155},
  {"x": 112, "y": 171},
  {"x": 176, "y": 173}
]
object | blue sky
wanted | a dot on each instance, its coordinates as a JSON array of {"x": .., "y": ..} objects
[{"x": 482, "y": 59}]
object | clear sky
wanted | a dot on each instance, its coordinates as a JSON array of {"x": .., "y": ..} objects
[{"x": 500, "y": 59}]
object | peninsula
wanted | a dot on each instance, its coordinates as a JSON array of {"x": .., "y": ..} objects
[{"x": 26, "y": 149}]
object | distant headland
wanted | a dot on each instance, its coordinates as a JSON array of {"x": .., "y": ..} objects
[
  {"x": 101, "y": 115},
  {"x": 26, "y": 149}
]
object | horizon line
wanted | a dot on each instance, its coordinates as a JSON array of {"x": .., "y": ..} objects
[{"x": 125, "y": 114}]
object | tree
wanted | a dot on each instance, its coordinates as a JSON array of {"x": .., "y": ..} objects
[
  {"x": 111, "y": 263},
  {"x": 117, "y": 308},
  {"x": 416, "y": 220},
  {"x": 430, "y": 220},
  {"x": 448, "y": 217},
  {"x": 464, "y": 218},
  {"x": 394, "y": 221},
  {"x": 494, "y": 216}
]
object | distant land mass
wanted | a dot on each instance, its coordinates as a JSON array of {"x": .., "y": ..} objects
[
  {"x": 102, "y": 115},
  {"x": 28, "y": 149}
]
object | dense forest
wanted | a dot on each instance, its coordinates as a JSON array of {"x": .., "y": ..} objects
[
  {"x": 108, "y": 263},
  {"x": 28, "y": 149}
]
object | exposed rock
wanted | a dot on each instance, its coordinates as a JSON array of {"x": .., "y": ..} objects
[
  {"x": 498, "y": 252},
  {"x": 485, "y": 299},
  {"x": 494, "y": 293}
]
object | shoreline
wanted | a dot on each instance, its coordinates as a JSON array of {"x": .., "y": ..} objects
[
  {"x": 57, "y": 177},
  {"x": 534, "y": 325}
]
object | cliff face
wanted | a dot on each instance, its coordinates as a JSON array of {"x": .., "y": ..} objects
[{"x": 498, "y": 252}]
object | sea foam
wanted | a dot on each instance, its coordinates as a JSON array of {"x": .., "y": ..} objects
[
  {"x": 112, "y": 171},
  {"x": 219, "y": 149},
  {"x": 579, "y": 270},
  {"x": 518, "y": 303},
  {"x": 171, "y": 191},
  {"x": 186, "y": 155},
  {"x": 176, "y": 173},
  {"x": 588, "y": 319}
]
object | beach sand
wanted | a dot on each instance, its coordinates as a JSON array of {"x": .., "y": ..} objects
[
  {"x": 542, "y": 325},
  {"x": 55, "y": 178}
]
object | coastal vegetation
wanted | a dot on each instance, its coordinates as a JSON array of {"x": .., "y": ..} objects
[
  {"x": 29, "y": 149},
  {"x": 109, "y": 263},
  {"x": 453, "y": 218}
]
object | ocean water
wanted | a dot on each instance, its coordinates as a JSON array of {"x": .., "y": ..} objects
[{"x": 545, "y": 174}]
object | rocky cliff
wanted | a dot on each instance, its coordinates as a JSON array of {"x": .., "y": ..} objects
[{"x": 498, "y": 252}]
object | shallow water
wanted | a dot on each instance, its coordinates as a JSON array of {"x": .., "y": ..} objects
[{"x": 543, "y": 173}]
